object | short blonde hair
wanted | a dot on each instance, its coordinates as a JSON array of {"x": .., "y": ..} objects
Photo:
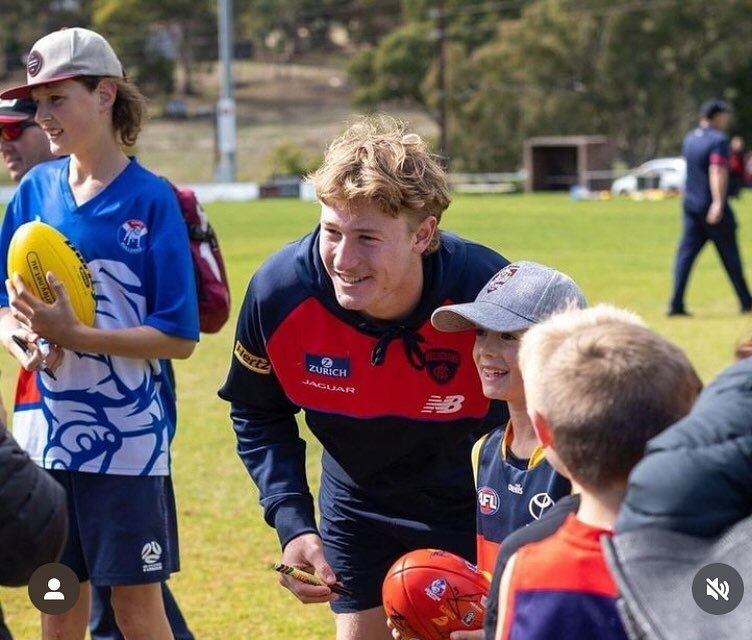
[
  {"x": 538, "y": 346},
  {"x": 377, "y": 161},
  {"x": 605, "y": 387}
]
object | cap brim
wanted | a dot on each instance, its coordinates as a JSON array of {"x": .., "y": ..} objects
[
  {"x": 13, "y": 118},
  {"x": 24, "y": 91},
  {"x": 473, "y": 315}
]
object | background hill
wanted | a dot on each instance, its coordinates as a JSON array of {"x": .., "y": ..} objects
[{"x": 298, "y": 108}]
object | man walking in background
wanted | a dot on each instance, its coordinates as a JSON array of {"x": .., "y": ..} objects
[
  {"x": 707, "y": 213},
  {"x": 23, "y": 145}
]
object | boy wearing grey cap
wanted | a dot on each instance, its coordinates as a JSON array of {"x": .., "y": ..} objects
[{"x": 514, "y": 482}]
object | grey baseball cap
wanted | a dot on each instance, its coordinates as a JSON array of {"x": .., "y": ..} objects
[
  {"x": 517, "y": 297},
  {"x": 65, "y": 54}
]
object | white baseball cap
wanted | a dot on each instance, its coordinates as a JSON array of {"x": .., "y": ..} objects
[{"x": 65, "y": 54}]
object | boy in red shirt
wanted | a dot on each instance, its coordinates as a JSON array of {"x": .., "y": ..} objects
[{"x": 598, "y": 386}]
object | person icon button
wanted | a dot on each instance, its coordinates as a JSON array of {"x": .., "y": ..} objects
[
  {"x": 54, "y": 588},
  {"x": 53, "y": 593}
]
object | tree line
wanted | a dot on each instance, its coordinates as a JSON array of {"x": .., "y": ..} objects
[{"x": 635, "y": 70}]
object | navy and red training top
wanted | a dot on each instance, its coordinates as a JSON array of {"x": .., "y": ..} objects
[
  {"x": 702, "y": 147},
  {"x": 396, "y": 407}
]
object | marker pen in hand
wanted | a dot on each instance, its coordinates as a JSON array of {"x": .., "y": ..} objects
[
  {"x": 25, "y": 348},
  {"x": 309, "y": 578}
]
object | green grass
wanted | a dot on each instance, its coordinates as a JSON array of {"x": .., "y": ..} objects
[{"x": 618, "y": 251}]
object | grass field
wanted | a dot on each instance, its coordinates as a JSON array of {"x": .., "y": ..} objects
[{"x": 618, "y": 251}]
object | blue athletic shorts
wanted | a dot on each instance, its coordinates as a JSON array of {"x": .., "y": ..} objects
[
  {"x": 123, "y": 529},
  {"x": 362, "y": 540}
]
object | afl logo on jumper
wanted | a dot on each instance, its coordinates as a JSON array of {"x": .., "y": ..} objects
[
  {"x": 539, "y": 504},
  {"x": 34, "y": 63},
  {"x": 131, "y": 235},
  {"x": 441, "y": 364},
  {"x": 328, "y": 366},
  {"x": 488, "y": 501}
]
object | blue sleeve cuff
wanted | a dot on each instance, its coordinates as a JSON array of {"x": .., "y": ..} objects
[{"x": 294, "y": 518}]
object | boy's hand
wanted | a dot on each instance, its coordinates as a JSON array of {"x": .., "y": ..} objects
[
  {"x": 395, "y": 634},
  {"x": 53, "y": 321}
]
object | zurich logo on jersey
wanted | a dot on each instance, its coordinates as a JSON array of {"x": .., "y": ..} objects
[
  {"x": 328, "y": 366},
  {"x": 131, "y": 235}
]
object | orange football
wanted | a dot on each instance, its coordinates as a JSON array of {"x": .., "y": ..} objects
[{"x": 429, "y": 593}]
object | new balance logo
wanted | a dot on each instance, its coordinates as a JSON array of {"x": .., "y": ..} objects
[{"x": 443, "y": 404}]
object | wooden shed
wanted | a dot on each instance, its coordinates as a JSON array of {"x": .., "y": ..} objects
[{"x": 557, "y": 163}]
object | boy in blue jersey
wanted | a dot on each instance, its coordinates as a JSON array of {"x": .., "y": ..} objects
[
  {"x": 599, "y": 385},
  {"x": 707, "y": 214},
  {"x": 23, "y": 145},
  {"x": 338, "y": 324},
  {"x": 514, "y": 482},
  {"x": 102, "y": 425}
]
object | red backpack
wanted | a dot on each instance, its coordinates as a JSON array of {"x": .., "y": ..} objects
[{"x": 211, "y": 279}]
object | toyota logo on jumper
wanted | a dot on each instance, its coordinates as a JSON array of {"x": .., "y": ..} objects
[
  {"x": 328, "y": 366},
  {"x": 539, "y": 504}
]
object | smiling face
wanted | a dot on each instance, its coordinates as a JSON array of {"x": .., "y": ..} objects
[
  {"x": 495, "y": 356},
  {"x": 74, "y": 118},
  {"x": 373, "y": 259}
]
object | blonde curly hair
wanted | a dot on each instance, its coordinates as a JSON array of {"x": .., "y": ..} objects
[{"x": 376, "y": 160}]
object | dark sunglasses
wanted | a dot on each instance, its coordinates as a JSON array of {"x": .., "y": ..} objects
[{"x": 11, "y": 132}]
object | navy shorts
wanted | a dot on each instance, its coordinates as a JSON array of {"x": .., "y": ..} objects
[
  {"x": 123, "y": 529},
  {"x": 362, "y": 540}
]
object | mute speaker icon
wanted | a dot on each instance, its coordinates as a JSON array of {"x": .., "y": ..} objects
[{"x": 717, "y": 588}]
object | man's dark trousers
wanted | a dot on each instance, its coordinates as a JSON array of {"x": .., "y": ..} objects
[{"x": 695, "y": 234}]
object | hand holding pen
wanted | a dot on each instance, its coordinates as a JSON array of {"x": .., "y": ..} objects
[
  {"x": 23, "y": 345},
  {"x": 309, "y": 578}
]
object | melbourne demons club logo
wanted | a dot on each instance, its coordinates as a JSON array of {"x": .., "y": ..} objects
[
  {"x": 131, "y": 235},
  {"x": 488, "y": 501},
  {"x": 501, "y": 277},
  {"x": 441, "y": 364}
]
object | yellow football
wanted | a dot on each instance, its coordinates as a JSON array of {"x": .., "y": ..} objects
[{"x": 37, "y": 248}]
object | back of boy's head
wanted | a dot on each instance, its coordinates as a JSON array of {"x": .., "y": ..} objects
[{"x": 606, "y": 385}]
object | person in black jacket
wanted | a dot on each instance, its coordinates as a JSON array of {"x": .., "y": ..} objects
[
  {"x": 696, "y": 478},
  {"x": 33, "y": 516}
]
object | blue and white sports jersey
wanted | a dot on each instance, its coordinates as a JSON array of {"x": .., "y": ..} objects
[{"x": 108, "y": 414}]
